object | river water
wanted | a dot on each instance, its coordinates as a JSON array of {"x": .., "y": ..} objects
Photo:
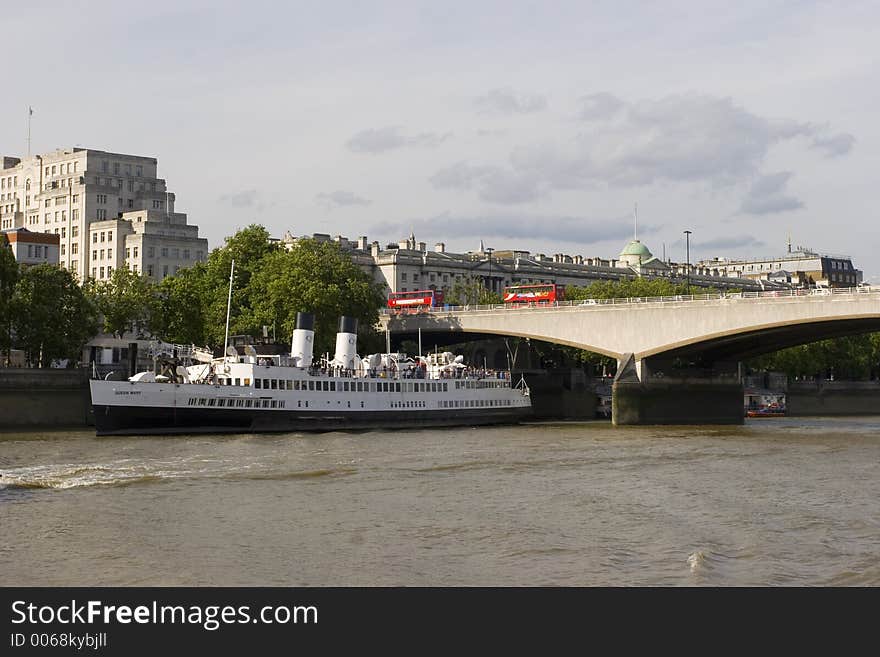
[{"x": 778, "y": 501}]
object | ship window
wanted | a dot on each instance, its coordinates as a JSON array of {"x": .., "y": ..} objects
[
  {"x": 289, "y": 384},
  {"x": 307, "y": 403},
  {"x": 238, "y": 382},
  {"x": 202, "y": 402},
  {"x": 362, "y": 404},
  {"x": 274, "y": 384},
  {"x": 311, "y": 385},
  {"x": 332, "y": 386},
  {"x": 258, "y": 383},
  {"x": 299, "y": 403},
  {"x": 247, "y": 382},
  {"x": 221, "y": 402},
  {"x": 247, "y": 403},
  {"x": 396, "y": 387},
  {"x": 265, "y": 384},
  {"x": 281, "y": 404},
  {"x": 345, "y": 386},
  {"x": 265, "y": 403},
  {"x": 445, "y": 387}
]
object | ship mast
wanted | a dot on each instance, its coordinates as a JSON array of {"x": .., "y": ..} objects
[{"x": 228, "y": 308}]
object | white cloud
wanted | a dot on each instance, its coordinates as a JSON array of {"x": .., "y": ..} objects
[
  {"x": 518, "y": 226},
  {"x": 506, "y": 101},
  {"x": 767, "y": 195},
  {"x": 380, "y": 140},
  {"x": 340, "y": 198}
]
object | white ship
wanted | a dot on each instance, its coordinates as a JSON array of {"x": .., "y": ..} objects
[{"x": 242, "y": 393}]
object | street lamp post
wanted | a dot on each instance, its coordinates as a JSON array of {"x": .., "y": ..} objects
[
  {"x": 489, "y": 252},
  {"x": 687, "y": 239}
]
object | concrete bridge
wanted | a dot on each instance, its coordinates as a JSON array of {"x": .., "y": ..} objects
[{"x": 649, "y": 337}]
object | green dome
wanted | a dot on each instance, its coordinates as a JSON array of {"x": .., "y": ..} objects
[{"x": 636, "y": 248}]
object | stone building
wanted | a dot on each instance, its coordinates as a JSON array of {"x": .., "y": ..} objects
[
  {"x": 801, "y": 266},
  {"x": 66, "y": 191},
  {"x": 31, "y": 248},
  {"x": 410, "y": 265}
]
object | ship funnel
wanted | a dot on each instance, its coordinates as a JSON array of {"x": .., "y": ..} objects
[
  {"x": 303, "y": 340},
  {"x": 346, "y": 344}
]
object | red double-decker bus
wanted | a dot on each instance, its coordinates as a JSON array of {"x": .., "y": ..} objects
[
  {"x": 541, "y": 293},
  {"x": 415, "y": 300}
]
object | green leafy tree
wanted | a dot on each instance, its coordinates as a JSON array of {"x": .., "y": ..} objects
[
  {"x": 9, "y": 274},
  {"x": 53, "y": 317},
  {"x": 127, "y": 301},
  {"x": 313, "y": 277},
  {"x": 851, "y": 357},
  {"x": 248, "y": 247},
  {"x": 180, "y": 316},
  {"x": 471, "y": 291}
]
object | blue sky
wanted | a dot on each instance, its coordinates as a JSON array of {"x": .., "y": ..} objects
[{"x": 525, "y": 124}]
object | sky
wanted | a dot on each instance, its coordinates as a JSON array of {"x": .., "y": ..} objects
[{"x": 528, "y": 125}]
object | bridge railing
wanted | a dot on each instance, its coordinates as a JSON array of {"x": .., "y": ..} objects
[{"x": 585, "y": 303}]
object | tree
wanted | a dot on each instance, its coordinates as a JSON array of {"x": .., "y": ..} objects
[
  {"x": 53, "y": 318},
  {"x": 850, "y": 357},
  {"x": 9, "y": 274},
  {"x": 127, "y": 301},
  {"x": 248, "y": 247},
  {"x": 471, "y": 291},
  {"x": 314, "y": 277},
  {"x": 180, "y": 316}
]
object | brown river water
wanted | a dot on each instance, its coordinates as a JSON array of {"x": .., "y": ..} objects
[{"x": 788, "y": 501}]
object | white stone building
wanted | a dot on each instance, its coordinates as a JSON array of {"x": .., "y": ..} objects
[
  {"x": 31, "y": 248},
  {"x": 65, "y": 192}
]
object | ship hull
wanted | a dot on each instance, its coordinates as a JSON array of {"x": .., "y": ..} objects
[{"x": 121, "y": 420}]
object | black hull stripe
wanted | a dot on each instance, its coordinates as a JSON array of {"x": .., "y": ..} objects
[{"x": 135, "y": 420}]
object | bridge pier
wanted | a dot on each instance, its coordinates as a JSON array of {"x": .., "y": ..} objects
[{"x": 643, "y": 393}]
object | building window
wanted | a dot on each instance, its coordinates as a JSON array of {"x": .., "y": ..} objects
[
  {"x": 151, "y": 252},
  {"x": 105, "y": 166},
  {"x": 94, "y": 272},
  {"x": 127, "y": 254},
  {"x": 74, "y": 230},
  {"x": 74, "y": 215},
  {"x": 139, "y": 171},
  {"x": 116, "y": 168},
  {"x": 164, "y": 251},
  {"x": 164, "y": 271},
  {"x": 94, "y": 255},
  {"x": 186, "y": 254},
  {"x": 109, "y": 235},
  {"x": 74, "y": 248},
  {"x": 150, "y": 270},
  {"x": 135, "y": 250},
  {"x": 63, "y": 250},
  {"x": 47, "y": 202},
  {"x": 102, "y": 272}
]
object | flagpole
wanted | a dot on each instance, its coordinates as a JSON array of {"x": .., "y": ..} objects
[{"x": 30, "y": 114}]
